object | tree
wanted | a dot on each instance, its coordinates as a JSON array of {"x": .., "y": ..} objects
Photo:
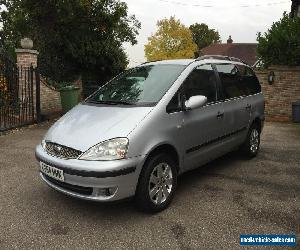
[
  {"x": 172, "y": 40},
  {"x": 74, "y": 37},
  {"x": 203, "y": 36},
  {"x": 280, "y": 45}
]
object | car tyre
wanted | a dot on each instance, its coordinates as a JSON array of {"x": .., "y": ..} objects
[
  {"x": 157, "y": 184},
  {"x": 251, "y": 146}
]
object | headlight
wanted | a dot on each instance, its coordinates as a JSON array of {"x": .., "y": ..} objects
[{"x": 114, "y": 149}]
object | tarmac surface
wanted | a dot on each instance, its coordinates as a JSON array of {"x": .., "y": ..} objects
[{"x": 213, "y": 205}]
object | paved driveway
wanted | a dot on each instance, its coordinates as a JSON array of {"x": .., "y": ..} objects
[{"x": 212, "y": 207}]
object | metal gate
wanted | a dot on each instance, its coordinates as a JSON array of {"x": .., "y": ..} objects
[{"x": 19, "y": 91}]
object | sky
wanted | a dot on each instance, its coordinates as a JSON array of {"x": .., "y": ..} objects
[{"x": 242, "y": 19}]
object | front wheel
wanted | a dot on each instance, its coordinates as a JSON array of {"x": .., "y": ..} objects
[
  {"x": 251, "y": 146},
  {"x": 157, "y": 184}
]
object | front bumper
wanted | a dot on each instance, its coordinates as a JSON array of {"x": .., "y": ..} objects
[{"x": 91, "y": 180}]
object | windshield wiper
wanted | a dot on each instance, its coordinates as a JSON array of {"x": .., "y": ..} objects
[
  {"x": 124, "y": 102},
  {"x": 111, "y": 102}
]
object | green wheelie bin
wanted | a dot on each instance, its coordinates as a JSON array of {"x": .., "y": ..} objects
[{"x": 70, "y": 97}]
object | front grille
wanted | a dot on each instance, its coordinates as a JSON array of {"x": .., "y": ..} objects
[
  {"x": 70, "y": 187},
  {"x": 61, "y": 151}
]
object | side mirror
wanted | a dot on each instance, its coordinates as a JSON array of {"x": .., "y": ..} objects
[{"x": 196, "y": 101}]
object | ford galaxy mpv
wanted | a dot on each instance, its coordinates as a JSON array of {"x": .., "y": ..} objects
[{"x": 135, "y": 135}]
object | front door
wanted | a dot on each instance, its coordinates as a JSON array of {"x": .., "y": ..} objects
[{"x": 202, "y": 126}]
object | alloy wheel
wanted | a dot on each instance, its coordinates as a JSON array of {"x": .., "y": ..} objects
[
  {"x": 254, "y": 140},
  {"x": 160, "y": 183}
]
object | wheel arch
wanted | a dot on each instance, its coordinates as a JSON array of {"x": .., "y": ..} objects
[
  {"x": 168, "y": 149},
  {"x": 257, "y": 121}
]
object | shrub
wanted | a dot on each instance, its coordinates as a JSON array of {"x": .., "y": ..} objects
[{"x": 280, "y": 45}]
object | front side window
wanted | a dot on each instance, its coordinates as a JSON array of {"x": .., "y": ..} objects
[
  {"x": 201, "y": 81},
  {"x": 230, "y": 79},
  {"x": 142, "y": 85}
]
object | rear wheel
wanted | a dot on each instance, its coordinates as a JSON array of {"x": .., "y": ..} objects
[
  {"x": 251, "y": 146},
  {"x": 157, "y": 184}
]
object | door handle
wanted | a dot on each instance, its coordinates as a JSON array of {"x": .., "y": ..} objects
[
  {"x": 179, "y": 126},
  {"x": 248, "y": 107},
  {"x": 220, "y": 115}
]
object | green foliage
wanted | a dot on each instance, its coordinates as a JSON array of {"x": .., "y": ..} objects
[
  {"x": 172, "y": 40},
  {"x": 280, "y": 45},
  {"x": 203, "y": 36},
  {"x": 74, "y": 37}
]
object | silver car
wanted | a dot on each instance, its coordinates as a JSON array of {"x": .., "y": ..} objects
[{"x": 135, "y": 135}]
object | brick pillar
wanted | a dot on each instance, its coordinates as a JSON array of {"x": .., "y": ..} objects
[{"x": 27, "y": 57}]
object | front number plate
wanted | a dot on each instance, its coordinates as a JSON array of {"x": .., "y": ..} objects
[{"x": 53, "y": 172}]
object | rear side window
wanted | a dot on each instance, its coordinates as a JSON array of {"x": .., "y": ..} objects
[
  {"x": 229, "y": 76},
  {"x": 249, "y": 80}
]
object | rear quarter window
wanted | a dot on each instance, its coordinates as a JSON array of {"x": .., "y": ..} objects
[
  {"x": 249, "y": 80},
  {"x": 229, "y": 76}
]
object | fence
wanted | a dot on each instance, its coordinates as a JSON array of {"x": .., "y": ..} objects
[{"x": 19, "y": 94}]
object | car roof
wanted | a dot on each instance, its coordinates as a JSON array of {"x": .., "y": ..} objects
[{"x": 186, "y": 62}]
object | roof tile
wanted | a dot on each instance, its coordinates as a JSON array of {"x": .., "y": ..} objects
[{"x": 244, "y": 51}]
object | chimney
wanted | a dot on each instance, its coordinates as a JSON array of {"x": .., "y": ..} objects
[{"x": 229, "y": 40}]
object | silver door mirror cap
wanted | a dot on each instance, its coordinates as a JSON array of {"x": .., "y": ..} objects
[{"x": 196, "y": 101}]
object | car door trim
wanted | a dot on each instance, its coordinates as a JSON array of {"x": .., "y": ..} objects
[{"x": 205, "y": 144}]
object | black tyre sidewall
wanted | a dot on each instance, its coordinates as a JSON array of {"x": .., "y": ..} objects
[{"x": 142, "y": 198}]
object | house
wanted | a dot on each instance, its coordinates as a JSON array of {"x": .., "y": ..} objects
[
  {"x": 243, "y": 51},
  {"x": 295, "y": 10}
]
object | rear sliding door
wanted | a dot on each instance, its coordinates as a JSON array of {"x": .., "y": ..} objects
[{"x": 236, "y": 108}]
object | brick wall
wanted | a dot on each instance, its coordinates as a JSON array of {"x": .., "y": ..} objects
[
  {"x": 280, "y": 95},
  {"x": 50, "y": 99}
]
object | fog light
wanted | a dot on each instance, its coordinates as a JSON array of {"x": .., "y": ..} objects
[
  {"x": 106, "y": 192},
  {"x": 112, "y": 190}
]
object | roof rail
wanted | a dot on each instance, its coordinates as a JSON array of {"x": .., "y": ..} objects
[
  {"x": 150, "y": 62},
  {"x": 220, "y": 57}
]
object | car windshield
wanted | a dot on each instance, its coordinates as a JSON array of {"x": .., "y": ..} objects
[{"x": 141, "y": 85}]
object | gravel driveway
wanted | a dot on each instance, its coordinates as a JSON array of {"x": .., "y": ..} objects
[{"x": 212, "y": 207}]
